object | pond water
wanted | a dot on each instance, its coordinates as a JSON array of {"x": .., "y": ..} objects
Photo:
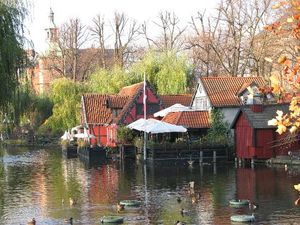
[{"x": 41, "y": 183}]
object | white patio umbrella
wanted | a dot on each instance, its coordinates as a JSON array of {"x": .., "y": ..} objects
[
  {"x": 85, "y": 135},
  {"x": 66, "y": 136},
  {"x": 77, "y": 128},
  {"x": 173, "y": 108},
  {"x": 163, "y": 127},
  {"x": 141, "y": 124},
  {"x": 155, "y": 126}
]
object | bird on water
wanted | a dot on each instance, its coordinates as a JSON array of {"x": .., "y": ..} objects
[{"x": 32, "y": 222}]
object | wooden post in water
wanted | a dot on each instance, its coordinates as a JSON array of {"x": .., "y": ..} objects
[
  {"x": 252, "y": 163},
  {"x": 240, "y": 161},
  {"x": 145, "y": 117},
  {"x": 214, "y": 156},
  {"x": 201, "y": 157}
]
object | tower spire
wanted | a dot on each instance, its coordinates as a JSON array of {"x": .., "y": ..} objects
[
  {"x": 52, "y": 31},
  {"x": 51, "y": 19}
]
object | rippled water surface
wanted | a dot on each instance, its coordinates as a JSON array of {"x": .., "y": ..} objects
[{"x": 41, "y": 183}]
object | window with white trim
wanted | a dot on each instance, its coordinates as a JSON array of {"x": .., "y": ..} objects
[{"x": 201, "y": 103}]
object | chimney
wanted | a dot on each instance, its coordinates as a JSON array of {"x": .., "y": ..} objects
[{"x": 257, "y": 108}]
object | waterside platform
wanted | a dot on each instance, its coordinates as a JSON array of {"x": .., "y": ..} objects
[
  {"x": 70, "y": 151},
  {"x": 179, "y": 152},
  {"x": 92, "y": 153},
  {"x": 286, "y": 160}
]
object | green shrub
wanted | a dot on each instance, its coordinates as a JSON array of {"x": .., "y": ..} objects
[{"x": 125, "y": 135}]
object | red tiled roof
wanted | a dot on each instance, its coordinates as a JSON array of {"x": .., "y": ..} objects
[
  {"x": 131, "y": 90},
  {"x": 98, "y": 108},
  {"x": 244, "y": 87},
  {"x": 189, "y": 119},
  {"x": 222, "y": 91},
  {"x": 169, "y": 100}
]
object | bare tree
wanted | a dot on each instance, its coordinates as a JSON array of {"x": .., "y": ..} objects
[
  {"x": 64, "y": 59},
  {"x": 228, "y": 38},
  {"x": 125, "y": 32},
  {"x": 171, "y": 33},
  {"x": 200, "y": 44},
  {"x": 98, "y": 33},
  {"x": 77, "y": 37}
]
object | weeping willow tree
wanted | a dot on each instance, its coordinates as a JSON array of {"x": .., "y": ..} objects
[{"x": 12, "y": 54}]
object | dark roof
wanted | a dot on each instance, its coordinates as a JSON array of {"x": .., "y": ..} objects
[
  {"x": 189, "y": 119},
  {"x": 259, "y": 120},
  {"x": 169, "y": 100}
]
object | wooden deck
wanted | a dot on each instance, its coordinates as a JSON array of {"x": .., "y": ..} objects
[
  {"x": 205, "y": 154},
  {"x": 70, "y": 151},
  {"x": 92, "y": 154},
  {"x": 178, "y": 152}
]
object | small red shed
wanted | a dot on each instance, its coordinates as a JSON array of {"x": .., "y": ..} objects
[{"x": 254, "y": 138}]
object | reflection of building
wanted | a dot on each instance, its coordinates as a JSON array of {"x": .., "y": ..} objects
[
  {"x": 259, "y": 182},
  {"x": 104, "y": 185}
]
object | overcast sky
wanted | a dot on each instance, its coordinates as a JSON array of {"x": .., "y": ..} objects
[{"x": 141, "y": 10}]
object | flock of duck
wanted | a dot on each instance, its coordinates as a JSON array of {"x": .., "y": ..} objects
[
  {"x": 194, "y": 198},
  {"x": 72, "y": 202},
  {"x": 67, "y": 221}
]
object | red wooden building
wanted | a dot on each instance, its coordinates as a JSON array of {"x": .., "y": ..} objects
[
  {"x": 254, "y": 138},
  {"x": 104, "y": 113}
]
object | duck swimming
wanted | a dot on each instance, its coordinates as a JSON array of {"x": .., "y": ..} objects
[
  {"x": 252, "y": 206},
  {"x": 120, "y": 207},
  {"x": 32, "y": 222},
  {"x": 69, "y": 221},
  {"x": 72, "y": 201},
  {"x": 178, "y": 199},
  {"x": 183, "y": 212}
]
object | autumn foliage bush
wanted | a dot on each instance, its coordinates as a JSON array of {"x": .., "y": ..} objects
[{"x": 290, "y": 65}]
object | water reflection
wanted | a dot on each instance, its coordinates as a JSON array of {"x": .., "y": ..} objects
[{"x": 41, "y": 183}]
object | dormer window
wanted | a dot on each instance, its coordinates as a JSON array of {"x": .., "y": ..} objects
[
  {"x": 201, "y": 103},
  {"x": 244, "y": 100},
  {"x": 115, "y": 112},
  {"x": 200, "y": 89}
]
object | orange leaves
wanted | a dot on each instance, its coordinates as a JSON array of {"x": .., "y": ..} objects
[
  {"x": 279, "y": 5},
  {"x": 290, "y": 74},
  {"x": 281, "y": 121},
  {"x": 277, "y": 89},
  {"x": 273, "y": 27},
  {"x": 289, "y": 121},
  {"x": 282, "y": 59},
  {"x": 296, "y": 16},
  {"x": 293, "y": 18}
]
